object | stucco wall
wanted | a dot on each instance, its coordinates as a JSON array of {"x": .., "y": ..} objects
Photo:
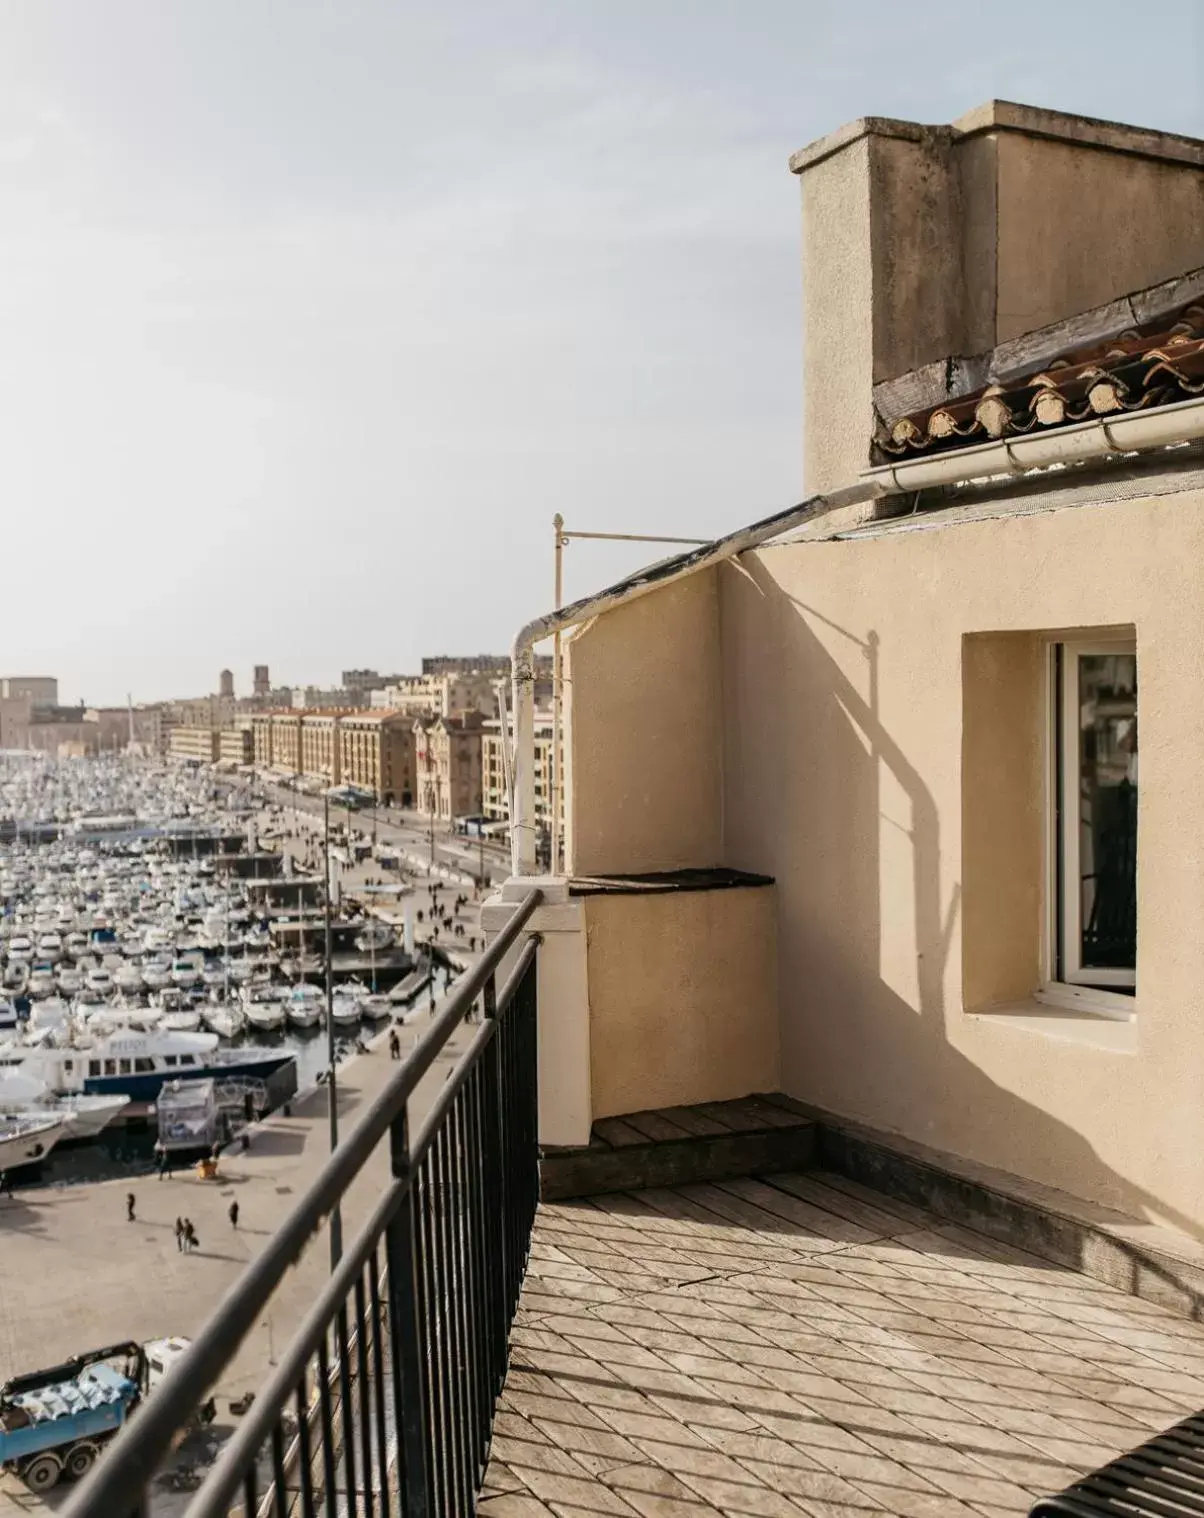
[
  {"x": 644, "y": 742},
  {"x": 683, "y": 997},
  {"x": 1136, "y": 221},
  {"x": 847, "y": 756}
]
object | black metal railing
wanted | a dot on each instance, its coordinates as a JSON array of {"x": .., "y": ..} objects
[{"x": 382, "y": 1403}]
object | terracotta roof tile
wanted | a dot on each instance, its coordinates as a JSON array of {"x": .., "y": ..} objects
[{"x": 1141, "y": 368}]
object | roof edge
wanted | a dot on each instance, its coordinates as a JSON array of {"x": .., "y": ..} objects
[{"x": 1012, "y": 116}]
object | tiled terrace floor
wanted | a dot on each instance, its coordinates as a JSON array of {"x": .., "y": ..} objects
[{"x": 808, "y": 1347}]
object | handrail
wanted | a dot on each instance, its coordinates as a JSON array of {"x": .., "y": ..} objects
[{"x": 128, "y": 1465}]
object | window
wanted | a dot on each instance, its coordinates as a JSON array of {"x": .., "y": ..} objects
[
  {"x": 93, "y": 1067},
  {"x": 169, "y": 1059},
  {"x": 144, "y": 1066},
  {"x": 1093, "y": 848},
  {"x": 110, "y": 1067},
  {"x": 125, "y": 1067}
]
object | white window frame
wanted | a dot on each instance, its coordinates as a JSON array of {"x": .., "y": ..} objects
[{"x": 1069, "y": 990}]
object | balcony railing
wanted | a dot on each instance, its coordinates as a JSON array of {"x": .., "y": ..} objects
[{"x": 382, "y": 1403}]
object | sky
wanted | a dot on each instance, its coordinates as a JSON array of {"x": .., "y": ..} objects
[{"x": 314, "y": 312}]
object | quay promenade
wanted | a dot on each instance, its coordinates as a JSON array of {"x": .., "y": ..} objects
[{"x": 76, "y": 1275}]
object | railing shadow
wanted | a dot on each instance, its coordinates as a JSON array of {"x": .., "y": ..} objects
[{"x": 392, "y": 1376}]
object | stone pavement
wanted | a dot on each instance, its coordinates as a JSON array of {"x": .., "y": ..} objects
[
  {"x": 75, "y": 1275},
  {"x": 802, "y": 1346}
]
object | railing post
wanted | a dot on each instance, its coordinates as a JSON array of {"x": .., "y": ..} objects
[
  {"x": 409, "y": 1377},
  {"x": 495, "y": 1216}
]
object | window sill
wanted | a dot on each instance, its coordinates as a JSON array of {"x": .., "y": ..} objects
[
  {"x": 1091, "y": 1001},
  {"x": 1089, "y": 1030}
]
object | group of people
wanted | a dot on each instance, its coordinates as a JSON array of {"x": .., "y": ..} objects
[{"x": 186, "y": 1239}]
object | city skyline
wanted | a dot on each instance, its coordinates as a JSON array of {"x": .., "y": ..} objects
[{"x": 314, "y": 317}]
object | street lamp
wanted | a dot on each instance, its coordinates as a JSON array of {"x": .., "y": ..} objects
[{"x": 336, "y": 1217}]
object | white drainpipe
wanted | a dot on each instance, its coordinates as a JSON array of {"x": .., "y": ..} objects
[
  {"x": 522, "y": 795},
  {"x": 1119, "y": 433}
]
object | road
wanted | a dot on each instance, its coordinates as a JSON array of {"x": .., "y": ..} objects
[{"x": 408, "y": 830}]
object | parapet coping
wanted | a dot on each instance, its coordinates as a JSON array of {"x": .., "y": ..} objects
[{"x": 1010, "y": 116}]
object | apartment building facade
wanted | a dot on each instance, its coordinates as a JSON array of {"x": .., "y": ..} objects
[
  {"x": 198, "y": 745},
  {"x": 447, "y": 761},
  {"x": 376, "y": 753},
  {"x": 320, "y": 755}
]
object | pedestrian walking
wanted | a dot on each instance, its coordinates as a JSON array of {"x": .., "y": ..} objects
[
  {"x": 190, "y": 1238},
  {"x": 129, "y": 1207},
  {"x": 180, "y": 1234},
  {"x": 394, "y": 1044},
  {"x": 233, "y": 1213}
]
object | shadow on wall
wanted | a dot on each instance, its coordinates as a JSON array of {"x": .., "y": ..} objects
[{"x": 854, "y": 842}]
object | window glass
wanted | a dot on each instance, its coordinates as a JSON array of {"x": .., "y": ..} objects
[
  {"x": 110, "y": 1067},
  {"x": 1107, "y": 761},
  {"x": 1096, "y": 886},
  {"x": 93, "y": 1067},
  {"x": 144, "y": 1065}
]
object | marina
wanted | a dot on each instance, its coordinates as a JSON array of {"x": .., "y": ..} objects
[{"x": 147, "y": 941}]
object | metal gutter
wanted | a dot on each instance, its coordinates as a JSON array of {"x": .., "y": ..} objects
[
  {"x": 522, "y": 794},
  {"x": 1119, "y": 433}
]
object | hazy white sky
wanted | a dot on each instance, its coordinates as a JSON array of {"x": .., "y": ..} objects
[{"x": 312, "y": 312}]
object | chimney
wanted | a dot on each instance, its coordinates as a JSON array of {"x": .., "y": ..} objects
[{"x": 931, "y": 245}]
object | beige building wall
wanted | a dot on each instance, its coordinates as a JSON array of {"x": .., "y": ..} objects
[
  {"x": 196, "y": 743},
  {"x": 699, "y": 1021},
  {"x": 882, "y": 764},
  {"x": 643, "y": 766}
]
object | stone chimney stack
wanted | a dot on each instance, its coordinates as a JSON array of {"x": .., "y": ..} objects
[{"x": 931, "y": 245}]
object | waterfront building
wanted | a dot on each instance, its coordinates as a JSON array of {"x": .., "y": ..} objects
[
  {"x": 447, "y": 761},
  {"x": 376, "y": 753},
  {"x": 198, "y": 744}
]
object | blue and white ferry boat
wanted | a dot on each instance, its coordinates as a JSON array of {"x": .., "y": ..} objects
[{"x": 136, "y": 1065}]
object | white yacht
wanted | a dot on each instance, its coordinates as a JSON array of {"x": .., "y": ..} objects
[
  {"x": 128, "y": 978},
  {"x": 374, "y": 937},
  {"x": 377, "y": 1008},
  {"x": 20, "y": 949},
  {"x": 25, "y": 1095},
  {"x": 40, "y": 983},
  {"x": 226, "y": 1019},
  {"x": 187, "y": 1020},
  {"x": 71, "y": 982},
  {"x": 98, "y": 981},
  {"x": 304, "y": 1005},
  {"x": 185, "y": 973},
  {"x": 344, "y": 1009},
  {"x": 156, "y": 974},
  {"x": 264, "y": 1009},
  {"x": 24, "y": 1139},
  {"x": 50, "y": 948}
]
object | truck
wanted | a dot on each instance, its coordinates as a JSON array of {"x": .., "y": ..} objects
[{"x": 54, "y": 1422}]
